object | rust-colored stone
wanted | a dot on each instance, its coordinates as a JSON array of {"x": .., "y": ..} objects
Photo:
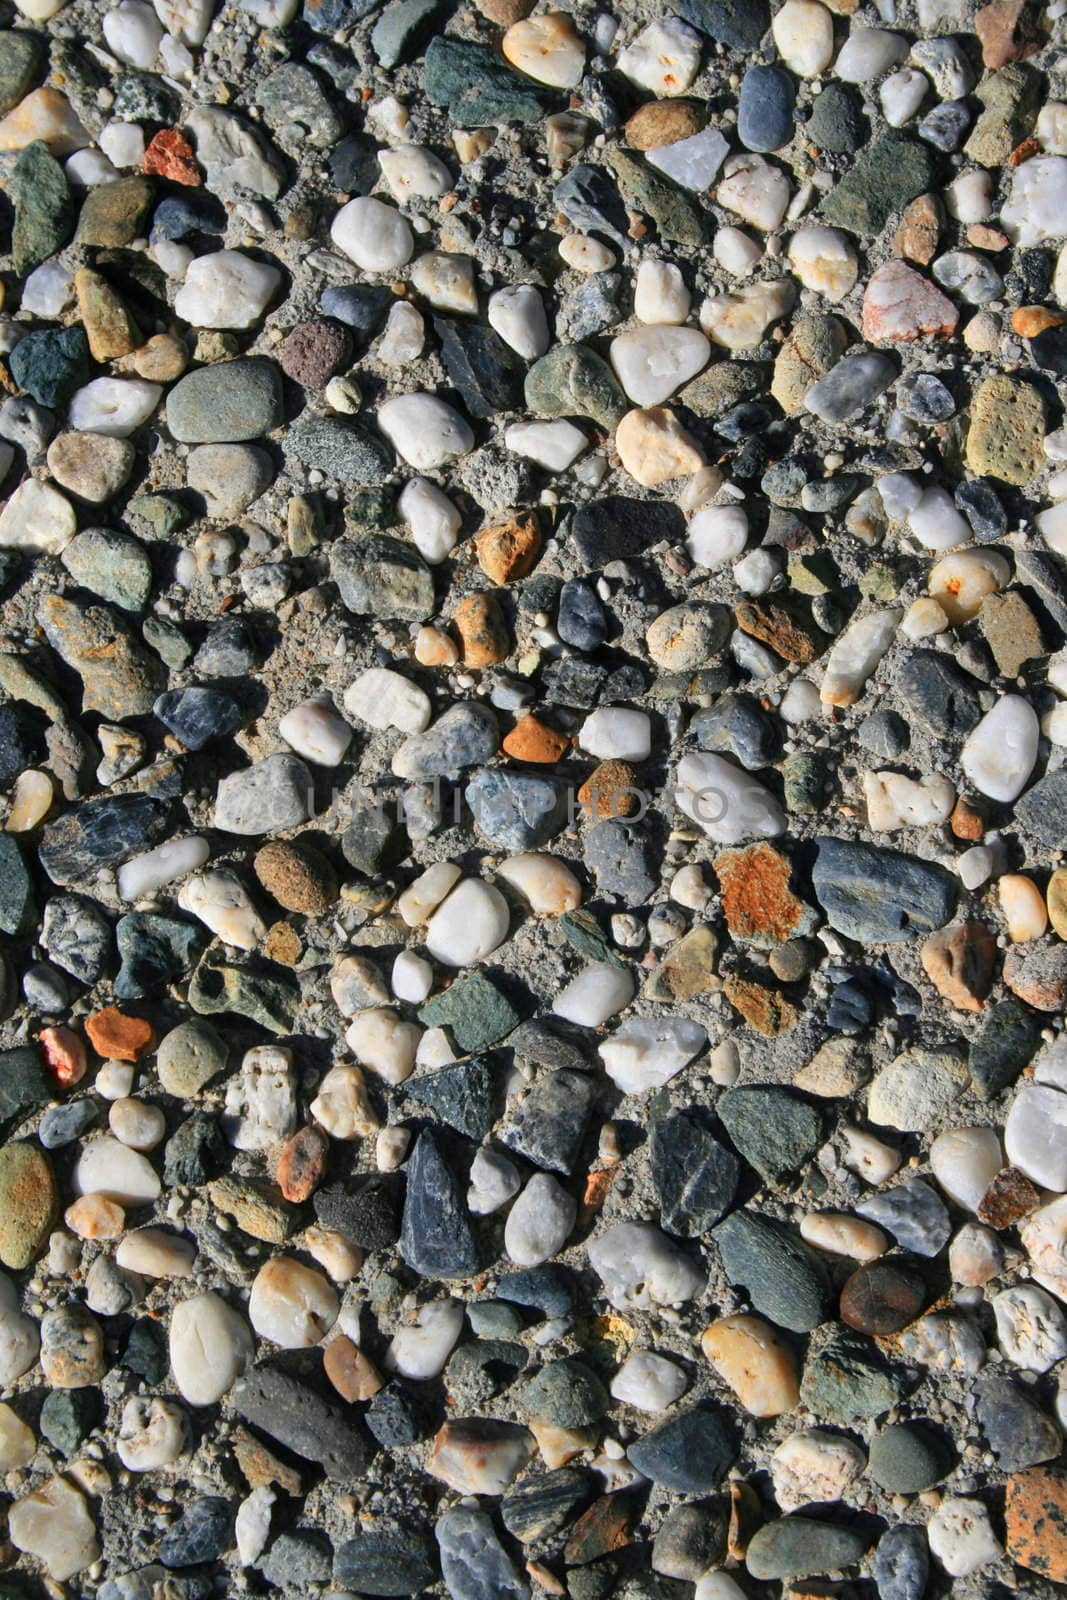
[
  {"x": 1008, "y": 30},
  {"x": 1029, "y": 321},
  {"x": 1010, "y": 1197},
  {"x": 604, "y": 1527},
  {"x": 170, "y": 155},
  {"x": 779, "y": 626},
  {"x": 349, "y": 1370},
  {"x": 769, "y": 1012},
  {"x": 882, "y": 1297},
  {"x": 260, "y": 1466},
  {"x": 919, "y": 230},
  {"x": 757, "y": 900},
  {"x": 119, "y": 1037},
  {"x": 482, "y": 630},
  {"x": 1035, "y": 1521},
  {"x": 510, "y": 549},
  {"x": 302, "y": 1164},
  {"x": 610, "y": 791},
  {"x": 533, "y": 740},
  {"x": 959, "y": 963},
  {"x": 967, "y": 821}
]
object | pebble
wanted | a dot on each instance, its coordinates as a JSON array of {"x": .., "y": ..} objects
[
  {"x": 814, "y": 1465},
  {"x": 751, "y": 1357},
  {"x": 373, "y": 235},
  {"x": 961, "y": 1536}
]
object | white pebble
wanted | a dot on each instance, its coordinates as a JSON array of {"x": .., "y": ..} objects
[
  {"x": 373, "y": 235},
  {"x": 210, "y": 1346},
  {"x": 961, "y": 1536},
  {"x": 717, "y": 535},
  {"x": 226, "y": 290},
  {"x": 615, "y": 733},
  {"x": 114, "y": 406},
  {"x": 660, "y": 293},
  {"x": 411, "y": 977},
  {"x": 998, "y": 755},
  {"x": 540, "y": 1221},
  {"x": 260, "y": 1108},
  {"x": 652, "y": 362},
  {"x": 413, "y": 171},
  {"x": 553, "y": 445},
  {"x": 648, "y": 1382},
  {"x": 735, "y": 252},
  {"x": 494, "y": 1180},
  {"x": 517, "y": 314},
  {"x": 223, "y": 904},
  {"x": 1031, "y": 1327},
  {"x": 647, "y": 1052},
  {"x": 383, "y": 1041},
  {"x": 727, "y": 802},
  {"x": 867, "y": 53},
  {"x": 902, "y": 94},
  {"x": 142, "y": 876},
  {"x": 108, "y": 1167},
  {"x": 640, "y": 1267},
  {"x": 1035, "y": 1135},
  {"x": 136, "y": 1123},
  {"x": 965, "y": 1161},
  {"x": 432, "y": 517},
  {"x": 425, "y": 431},
  {"x": 420, "y": 1350},
  {"x": 385, "y": 699},
  {"x": 290, "y": 1304},
  {"x": 803, "y": 30},
  {"x": 594, "y": 995},
  {"x": 468, "y": 925},
  {"x": 664, "y": 58},
  {"x": 316, "y": 730}
]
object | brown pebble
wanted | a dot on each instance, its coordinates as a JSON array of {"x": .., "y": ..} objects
[
  {"x": 119, "y": 1037},
  {"x": 260, "y": 1467},
  {"x": 161, "y": 360},
  {"x": 482, "y": 630},
  {"x": 660, "y": 122},
  {"x": 919, "y": 230},
  {"x": 1038, "y": 975},
  {"x": 967, "y": 821},
  {"x": 510, "y": 549},
  {"x": 302, "y": 1164},
  {"x": 881, "y": 1297},
  {"x": 505, "y": 12},
  {"x": 297, "y": 876},
  {"x": 959, "y": 963},
  {"x": 533, "y": 740},
  {"x": 757, "y": 900},
  {"x": 769, "y": 1012},
  {"x": 1009, "y": 31},
  {"x": 610, "y": 791},
  {"x": 348, "y": 1369},
  {"x": 604, "y": 1527},
  {"x": 781, "y": 626},
  {"x": 314, "y": 351}
]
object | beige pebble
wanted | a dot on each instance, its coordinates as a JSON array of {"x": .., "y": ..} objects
[
  {"x": 546, "y": 48},
  {"x": 544, "y": 881},
  {"x": 94, "y": 1216},
  {"x": 343, "y": 1105},
  {"x": 137, "y": 1124},
  {"x": 31, "y": 801},
  {"x": 54, "y": 1523},
  {"x": 335, "y": 1253},
  {"x": 654, "y": 447},
  {"x": 814, "y": 1466},
  {"x": 753, "y": 1358},
  {"x": 1023, "y": 907},
  {"x": 843, "y": 1235},
  {"x": 156, "y": 1253},
  {"x": 961, "y": 581},
  {"x": 17, "y": 1443},
  {"x": 585, "y": 254},
  {"x": 867, "y": 1156},
  {"x": 290, "y": 1304}
]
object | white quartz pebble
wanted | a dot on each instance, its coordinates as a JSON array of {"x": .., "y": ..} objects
[
  {"x": 900, "y": 493},
  {"x": 48, "y": 290},
  {"x": 108, "y": 1167},
  {"x": 226, "y": 290},
  {"x": 142, "y": 876},
  {"x": 968, "y": 198},
  {"x": 1035, "y": 1135},
  {"x": 468, "y": 925},
  {"x": 494, "y": 1180},
  {"x": 156, "y": 1253},
  {"x": 648, "y": 1382},
  {"x": 813, "y": 1466},
  {"x": 640, "y": 1267},
  {"x": 343, "y": 1105},
  {"x": 115, "y": 406},
  {"x": 123, "y": 143},
  {"x": 965, "y": 1161},
  {"x": 652, "y": 362},
  {"x": 961, "y": 1536},
  {"x": 692, "y": 163},
  {"x": 544, "y": 881},
  {"x": 616, "y": 733},
  {"x": 664, "y": 58},
  {"x": 1052, "y": 526},
  {"x": 317, "y": 731},
  {"x": 290, "y": 1304},
  {"x": 547, "y": 48},
  {"x": 136, "y": 1124},
  {"x": 425, "y": 431},
  {"x": 755, "y": 191},
  {"x": 902, "y": 94},
  {"x": 717, "y": 535},
  {"x": 867, "y": 53},
  {"x": 434, "y": 519},
  {"x": 37, "y": 519},
  {"x": 517, "y": 314},
  {"x": 594, "y": 995},
  {"x": 210, "y": 1346},
  {"x": 895, "y": 801},
  {"x": 647, "y": 1052},
  {"x": 935, "y": 521},
  {"x": 856, "y": 654},
  {"x": 755, "y": 572},
  {"x": 803, "y": 30},
  {"x": 420, "y": 1349},
  {"x": 385, "y": 699},
  {"x": 540, "y": 1221},
  {"x": 735, "y": 251},
  {"x": 224, "y": 905},
  {"x": 54, "y": 1524},
  {"x": 553, "y": 445},
  {"x": 1050, "y": 130},
  {"x": 1031, "y": 1327},
  {"x": 382, "y": 1040},
  {"x": 1037, "y": 209},
  {"x": 975, "y": 866},
  {"x": 413, "y": 171},
  {"x": 403, "y": 338},
  {"x": 251, "y": 1527},
  {"x": 824, "y": 259},
  {"x": 187, "y": 20},
  {"x": 260, "y": 1109},
  {"x": 582, "y": 253},
  {"x": 739, "y": 319},
  {"x": 727, "y": 802},
  {"x": 998, "y": 755},
  {"x": 422, "y": 897},
  {"x": 801, "y": 702},
  {"x": 152, "y": 1433},
  {"x": 411, "y": 977},
  {"x": 660, "y": 293},
  {"x": 446, "y": 281},
  {"x": 373, "y": 235}
]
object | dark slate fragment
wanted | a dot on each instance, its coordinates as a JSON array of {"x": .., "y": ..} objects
[
  {"x": 517, "y": 810},
  {"x": 61, "y": 1125},
  {"x": 539, "y": 1507},
  {"x": 195, "y": 1152},
  {"x": 548, "y": 1289},
  {"x": 463, "y": 1096},
  {"x": 689, "y": 1454},
  {"x": 785, "y": 1280},
  {"x": 100, "y": 833},
  {"x": 737, "y": 725},
  {"x": 837, "y": 123},
  {"x": 436, "y": 1239},
  {"x": 400, "y": 1414},
  {"x": 478, "y": 87},
  {"x": 353, "y": 167},
  {"x": 694, "y": 1176},
  {"x": 615, "y": 528},
  {"x": 775, "y": 1130},
  {"x": 404, "y": 27},
  {"x": 582, "y": 621},
  {"x": 940, "y": 696},
  {"x": 740, "y": 24},
  {"x": 981, "y": 505},
  {"x": 298, "y": 1418},
  {"x": 363, "y": 307},
  {"x": 590, "y": 202},
  {"x": 1006, "y": 1040},
  {"x": 197, "y": 715},
  {"x": 536, "y": 1042},
  {"x": 18, "y": 911},
  {"x": 1020, "y": 1434},
  {"x": 178, "y": 215},
  {"x": 878, "y": 896},
  {"x": 1043, "y": 574},
  {"x": 847, "y": 1380},
  {"x": 204, "y": 1533},
  {"x": 765, "y": 109},
  {"x": 23, "y": 1082},
  {"x": 901, "y": 1563},
  {"x": 487, "y": 372},
  {"x": 1042, "y": 810},
  {"x": 889, "y": 172},
  {"x": 547, "y": 1126},
  {"x": 366, "y": 1210},
  {"x": 621, "y": 858},
  {"x": 474, "y": 1010},
  {"x": 385, "y": 1561},
  {"x": 154, "y": 950}
]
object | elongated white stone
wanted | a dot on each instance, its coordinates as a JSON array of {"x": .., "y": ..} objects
[
  {"x": 540, "y": 1221},
  {"x": 998, "y": 755},
  {"x": 546, "y": 882},
  {"x": 595, "y": 995},
  {"x": 965, "y": 1161},
  {"x": 143, "y": 875},
  {"x": 856, "y": 654},
  {"x": 224, "y": 905},
  {"x": 425, "y": 431},
  {"x": 112, "y": 1169},
  {"x": 553, "y": 445},
  {"x": 433, "y": 518},
  {"x": 1035, "y": 1135},
  {"x": 386, "y": 699},
  {"x": 468, "y": 925},
  {"x": 728, "y": 803},
  {"x": 210, "y": 1346},
  {"x": 115, "y": 406}
]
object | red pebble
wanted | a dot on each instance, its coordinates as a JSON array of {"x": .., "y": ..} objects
[
  {"x": 64, "y": 1054},
  {"x": 170, "y": 155}
]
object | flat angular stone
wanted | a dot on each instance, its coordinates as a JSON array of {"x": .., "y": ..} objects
[
  {"x": 436, "y": 1238},
  {"x": 547, "y": 1126},
  {"x": 878, "y": 896},
  {"x": 689, "y": 1454},
  {"x": 295, "y": 1416},
  {"x": 694, "y": 1177},
  {"x": 774, "y": 1130},
  {"x": 785, "y": 1280}
]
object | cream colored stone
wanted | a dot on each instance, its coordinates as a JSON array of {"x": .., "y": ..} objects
[
  {"x": 547, "y": 48},
  {"x": 753, "y": 1358},
  {"x": 654, "y": 447},
  {"x": 1023, "y": 907},
  {"x": 343, "y": 1105},
  {"x": 546, "y": 882}
]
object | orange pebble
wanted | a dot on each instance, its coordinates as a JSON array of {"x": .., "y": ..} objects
[
  {"x": 170, "y": 155},
  {"x": 1029, "y": 321},
  {"x": 533, "y": 740},
  {"x": 118, "y": 1037},
  {"x": 64, "y": 1054},
  {"x": 94, "y": 1216}
]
